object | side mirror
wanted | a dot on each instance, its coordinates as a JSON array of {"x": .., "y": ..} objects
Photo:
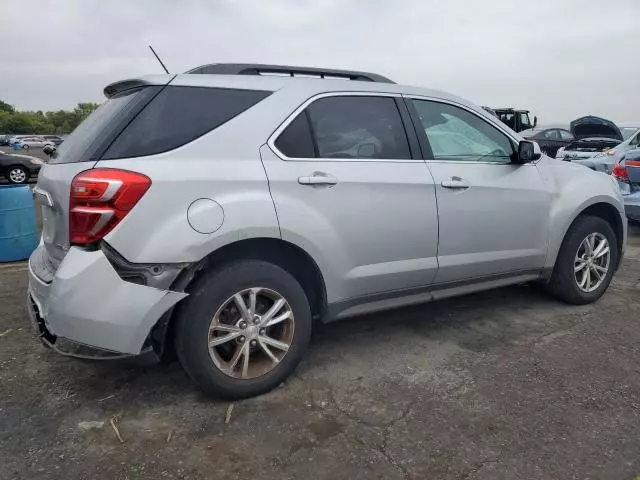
[
  {"x": 535, "y": 121},
  {"x": 528, "y": 152},
  {"x": 48, "y": 149}
]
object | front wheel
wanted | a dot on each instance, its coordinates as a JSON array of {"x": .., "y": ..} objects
[
  {"x": 586, "y": 262},
  {"x": 25, "y": 147},
  {"x": 243, "y": 330}
]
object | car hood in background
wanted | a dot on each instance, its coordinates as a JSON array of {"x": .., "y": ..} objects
[{"x": 591, "y": 126}]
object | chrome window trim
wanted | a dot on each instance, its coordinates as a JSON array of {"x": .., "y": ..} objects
[{"x": 272, "y": 139}]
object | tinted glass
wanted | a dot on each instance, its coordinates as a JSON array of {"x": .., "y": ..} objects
[
  {"x": 565, "y": 135},
  {"x": 178, "y": 115},
  {"x": 295, "y": 141},
  {"x": 358, "y": 127},
  {"x": 551, "y": 135},
  {"x": 101, "y": 126},
  {"x": 628, "y": 131},
  {"x": 456, "y": 134}
]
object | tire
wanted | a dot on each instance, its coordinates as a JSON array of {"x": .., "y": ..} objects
[
  {"x": 17, "y": 174},
  {"x": 564, "y": 282},
  {"x": 211, "y": 299},
  {"x": 25, "y": 147}
]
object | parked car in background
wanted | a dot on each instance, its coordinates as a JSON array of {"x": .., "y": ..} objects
[
  {"x": 627, "y": 173},
  {"x": 33, "y": 142},
  {"x": 16, "y": 138},
  {"x": 550, "y": 138},
  {"x": 294, "y": 199},
  {"x": 19, "y": 168},
  {"x": 593, "y": 135},
  {"x": 592, "y": 126},
  {"x": 585, "y": 150},
  {"x": 628, "y": 129},
  {"x": 53, "y": 139},
  {"x": 516, "y": 120},
  {"x": 4, "y": 140},
  {"x": 605, "y": 160}
]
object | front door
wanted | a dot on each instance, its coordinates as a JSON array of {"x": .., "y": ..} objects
[
  {"x": 350, "y": 191},
  {"x": 493, "y": 214}
]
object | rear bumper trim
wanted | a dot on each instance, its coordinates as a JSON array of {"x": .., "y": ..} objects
[{"x": 88, "y": 304}]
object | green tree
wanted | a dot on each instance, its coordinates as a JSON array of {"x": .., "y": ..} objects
[
  {"x": 5, "y": 107},
  {"x": 39, "y": 122}
]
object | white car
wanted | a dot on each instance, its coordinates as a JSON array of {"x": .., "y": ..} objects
[{"x": 30, "y": 142}]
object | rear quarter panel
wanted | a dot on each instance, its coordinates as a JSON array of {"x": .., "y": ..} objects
[{"x": 224, "y": 166}]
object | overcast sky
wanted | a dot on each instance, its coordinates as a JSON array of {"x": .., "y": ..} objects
[{"x": 559, "y": 58}]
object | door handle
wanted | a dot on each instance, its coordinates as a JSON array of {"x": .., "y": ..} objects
[
  {"x": 455, "y": 183},
  {"x": 318, "y": 178}
]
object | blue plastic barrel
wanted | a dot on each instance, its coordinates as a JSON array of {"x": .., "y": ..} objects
[
  {"x": 16, "y": 146},
  {"x": 18, "y": 232}
]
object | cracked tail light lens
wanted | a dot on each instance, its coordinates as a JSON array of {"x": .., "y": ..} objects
[{"x": 100, "y": 199}]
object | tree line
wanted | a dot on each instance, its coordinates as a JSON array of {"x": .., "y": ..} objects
[{"x": 14, "y": 122}]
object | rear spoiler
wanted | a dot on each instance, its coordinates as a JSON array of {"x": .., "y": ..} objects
[{"x": 123, "y": 85}]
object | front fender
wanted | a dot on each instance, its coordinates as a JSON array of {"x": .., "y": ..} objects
[{"x": 577, "y": 189}]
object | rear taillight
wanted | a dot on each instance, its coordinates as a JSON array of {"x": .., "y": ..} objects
[
  {"x": 620, "y": 173},
  {"x": 100, "y": 199}
]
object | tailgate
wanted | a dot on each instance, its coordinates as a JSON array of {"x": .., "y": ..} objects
[{"x": 52, "y": 192}]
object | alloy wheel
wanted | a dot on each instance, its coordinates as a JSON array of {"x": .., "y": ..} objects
[
  {"x": 17, "y": 175},
  {"x": 251, "y": 333},
  {"x": 592, "y": 262}
]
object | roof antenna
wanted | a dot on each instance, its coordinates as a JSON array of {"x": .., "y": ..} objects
[{"x": 158, "y": 58}]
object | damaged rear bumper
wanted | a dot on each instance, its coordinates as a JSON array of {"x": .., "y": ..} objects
[{"x": 88, "y": 303}]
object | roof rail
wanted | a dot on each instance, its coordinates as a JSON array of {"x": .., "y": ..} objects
[{"x": 258, "y": 69}]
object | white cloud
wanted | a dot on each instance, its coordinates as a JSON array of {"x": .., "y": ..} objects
[{"x": 561, "y": 59}]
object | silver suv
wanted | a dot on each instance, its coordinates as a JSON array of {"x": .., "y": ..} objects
[{"x": 217, "y": 214}]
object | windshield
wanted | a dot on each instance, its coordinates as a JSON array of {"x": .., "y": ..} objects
[{"x": 627, "y": 132}]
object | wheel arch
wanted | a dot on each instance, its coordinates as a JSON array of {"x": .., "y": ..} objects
[
  {"x": 286, "y": 255},
  {"x": 601, "y": 209}
]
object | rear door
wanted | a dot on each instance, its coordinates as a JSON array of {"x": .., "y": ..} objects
[
  {"x": 493, "y": 214},
  {"x": 350, "y": 188}
]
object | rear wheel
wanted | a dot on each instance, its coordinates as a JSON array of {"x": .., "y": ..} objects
[
  {"x": 25, "y": 147},
  {"x": 586, "y": 262},
  {"x": 244, "y": 329},
  {"x": 17, "y": 174}
]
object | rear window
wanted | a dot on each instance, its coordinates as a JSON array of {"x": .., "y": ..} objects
[
  {"x": 90, "y": 138},
  {"x": 178, "y": 115}
]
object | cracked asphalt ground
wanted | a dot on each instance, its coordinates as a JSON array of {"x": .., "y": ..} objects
[{"x": 504, "y": 384}]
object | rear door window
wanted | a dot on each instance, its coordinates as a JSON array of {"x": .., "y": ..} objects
[
  {"x": 565, "y": 135},
  {"x": 551, "y": 135},
  {"x": 358, "y": 127},
  {"x": 296, "y": 140},
  {"x": 347, "y": 127},
  {"x": 179, "y": 115}
]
